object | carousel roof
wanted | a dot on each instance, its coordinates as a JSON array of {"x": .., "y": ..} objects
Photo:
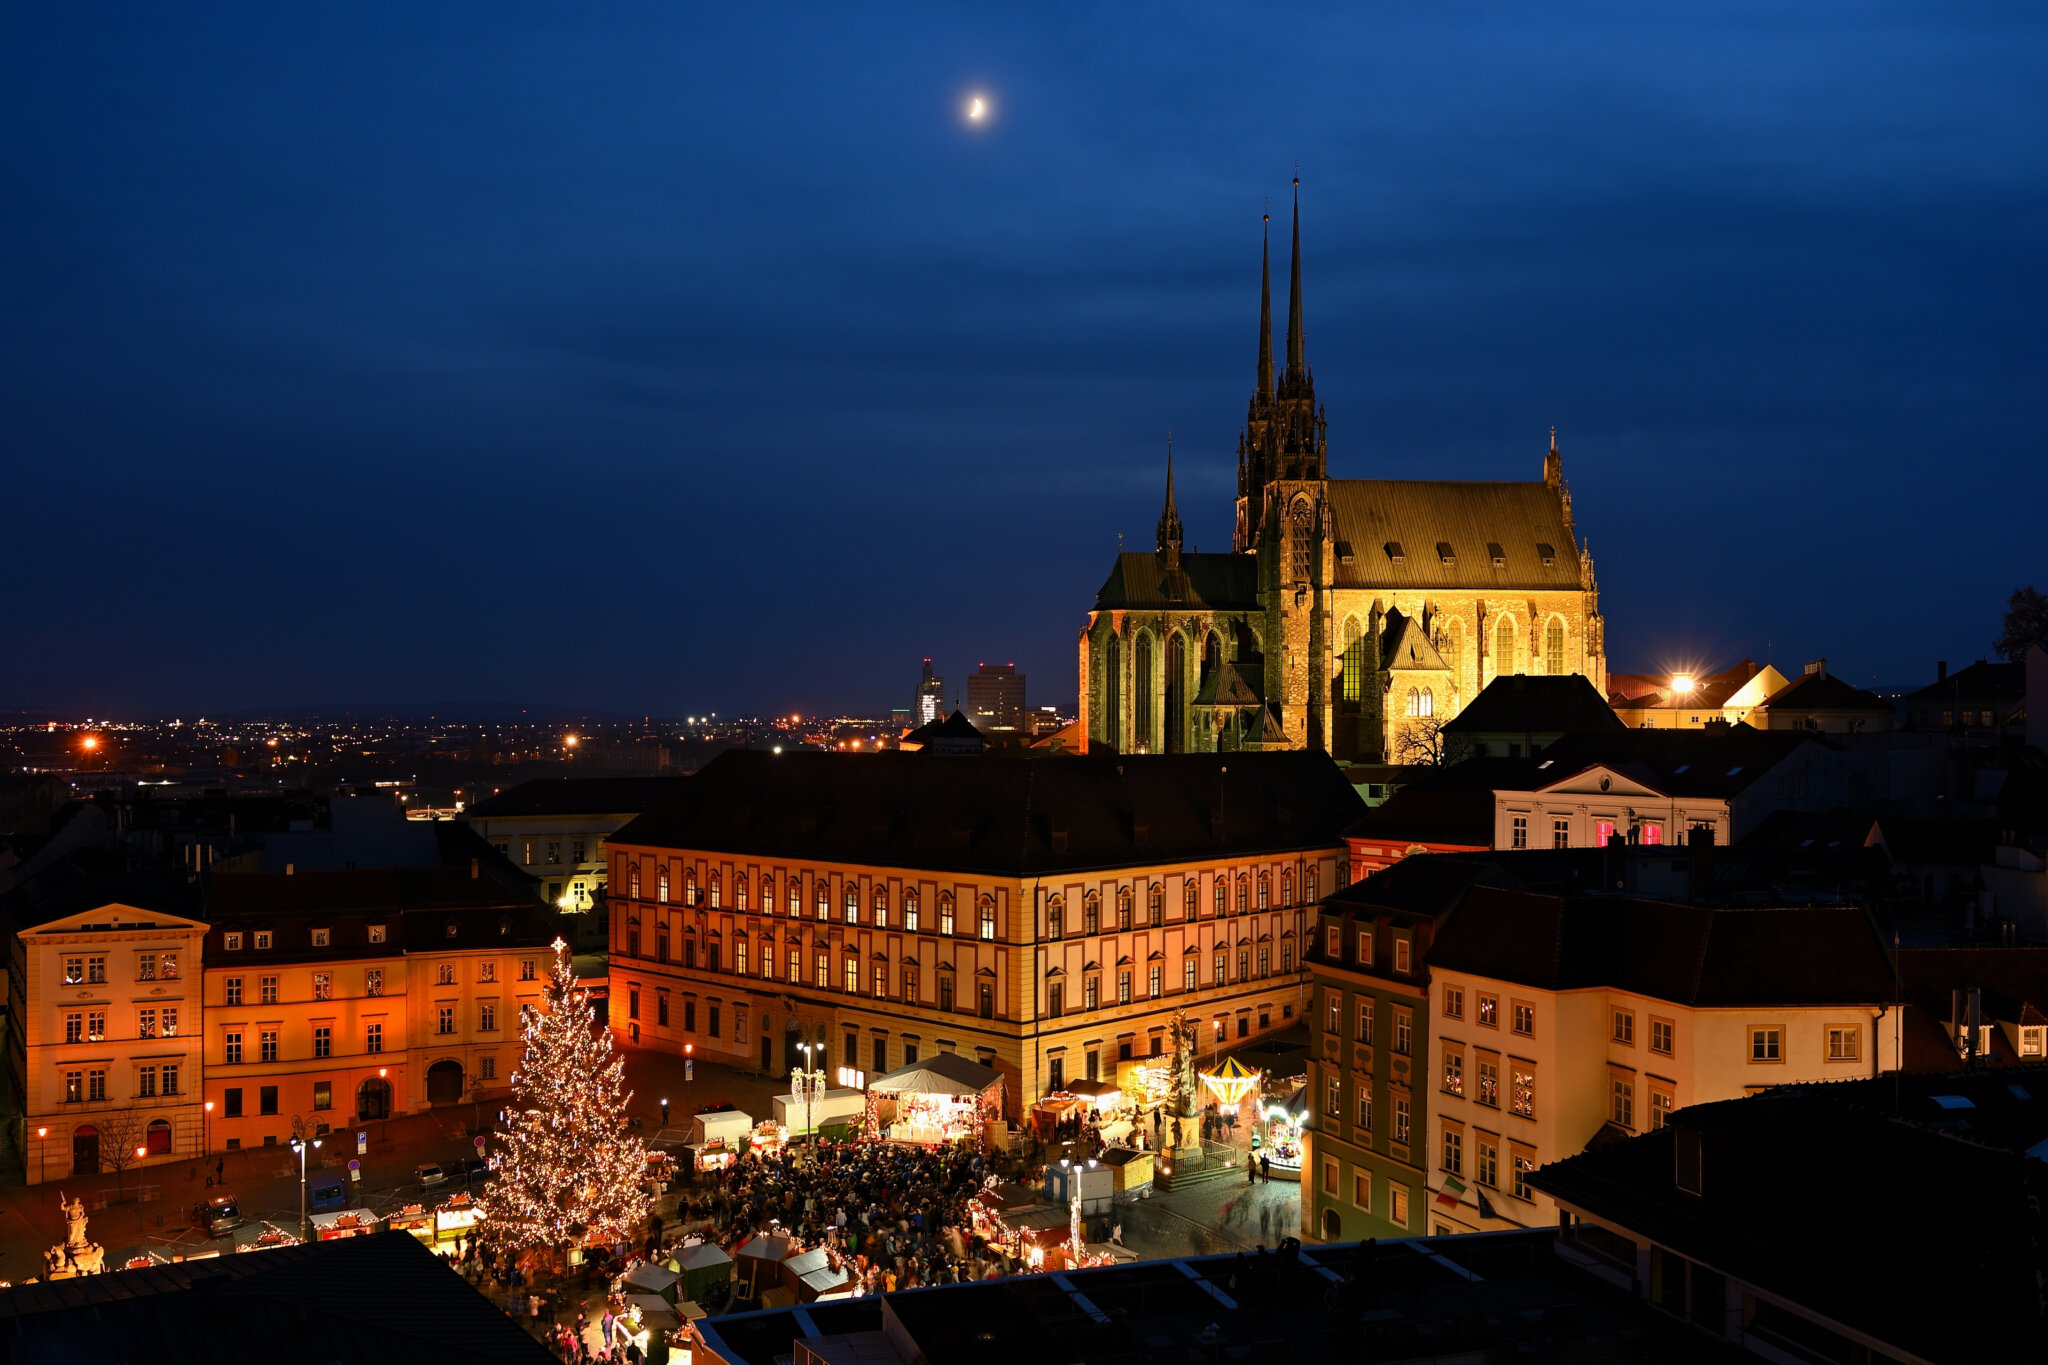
[
  {"x": 943, "y": 1073},
  {"x": 1231, "y": 1070}
]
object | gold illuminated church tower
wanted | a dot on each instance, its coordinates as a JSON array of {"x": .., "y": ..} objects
[{"x": 1351, "y": 615}]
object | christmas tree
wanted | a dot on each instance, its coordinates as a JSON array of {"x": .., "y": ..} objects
[{"x": 568, "y": 1170}]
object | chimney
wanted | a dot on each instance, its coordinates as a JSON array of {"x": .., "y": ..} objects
[
  {"x": 1941, "y": 670},
  {"x": 1819, "y": 666},
  {"x": 288, "y": 869},
  {"x": 475, "y": 868},
  {"x": 1688, "y": 1162},
  {"x": 1701, "y": 843}
]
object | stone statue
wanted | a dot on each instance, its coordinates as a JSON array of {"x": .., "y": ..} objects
[{"x": 76, "y": 1254}]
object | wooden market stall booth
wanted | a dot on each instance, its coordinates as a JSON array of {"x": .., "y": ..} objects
[{"x": 941, "y": 1098}]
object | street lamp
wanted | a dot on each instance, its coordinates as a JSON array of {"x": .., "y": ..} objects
[
  {"x": 299, "y": 1146},
  {"x": 206, "y": 1129},
  {"x": 808, "y": 1085},
  {"x": 41, "y": 1133},
  {"x": 664, "y": 1113}
]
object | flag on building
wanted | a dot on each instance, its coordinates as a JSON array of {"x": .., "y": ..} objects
[{"x": 1448, "y": 1195}]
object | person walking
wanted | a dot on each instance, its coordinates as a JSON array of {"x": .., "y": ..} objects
[{"x": 1266, "y": 1167}]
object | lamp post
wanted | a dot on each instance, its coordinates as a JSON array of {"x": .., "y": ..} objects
[
  {"x": 299, "y": 1146},
  {"x": 41, "y": 1133},
  {"x": 206, "y": 1128},
  {"x": 384, "y": 1127},
  {"x": 809, "y": 1084}
]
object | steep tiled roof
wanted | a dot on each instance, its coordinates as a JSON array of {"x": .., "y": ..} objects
[
  {"x": 1221, "y": 581},
  {"x": 579, "y": 796},
  {"x": 1419, "y": 514},
  {"x": 385, "y": 1297},
  {"x": 87, "y": 880},
  {"x": 1689, "y": 954},
  {"x": 1824, "y": 692},
  {"x": 1522, "y": 704},
  {"x": 1981, "y": 681},
  {"x": 1706, "y": 762},
  {"x": 1404, "y": 644},
  {"x": 1956, "y": 1277},
  {"x": 1004, "y": 817}
]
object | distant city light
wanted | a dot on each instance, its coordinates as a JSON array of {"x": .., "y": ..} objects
[
  {"x": 91, "y": 742},
  {"x": 570, "y": 741}
]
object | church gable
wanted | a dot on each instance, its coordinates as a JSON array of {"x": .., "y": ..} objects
[{"x": 1442, "y": 535}]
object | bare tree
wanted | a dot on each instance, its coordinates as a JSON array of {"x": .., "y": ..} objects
[
  {"x": 121, "y": 1132},
  {"x": 1420, "y": 741}
]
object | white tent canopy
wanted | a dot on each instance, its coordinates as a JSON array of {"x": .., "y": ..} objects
[{"x": 943, "y": 1073}]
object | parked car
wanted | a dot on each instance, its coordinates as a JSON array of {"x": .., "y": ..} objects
[
  {"x": 429, "y": 1175},
  {"x": 218, "y": 1216},
  {"x": 328, "y": 1192},
  {"x": 470, "y": 1169}
]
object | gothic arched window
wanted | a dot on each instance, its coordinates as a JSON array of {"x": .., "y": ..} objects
[
  {"x": 1354, "y": 661},
  {"x": 1504, "y": 646},
  {"x": 1302, "y": 532},
  {"x": 1428, "y": 702},
  {"x": 1414, "y": 702},
  {"x": 1453, "y": 646},
  {"x": 1141, "y": 695},
  {"x": 1553, "y": 647}
]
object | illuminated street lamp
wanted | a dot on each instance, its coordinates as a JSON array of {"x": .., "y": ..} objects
[
  {"x": 808, "y": 1085},
  {"x": 299, "y": 1146},
  {"x": 206, "y": 1129},
  {"x": 41, "y": 1133},
  {"x": 1682, "y": 684}
]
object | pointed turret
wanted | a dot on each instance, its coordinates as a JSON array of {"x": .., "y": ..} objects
[
  {"x": 1169, "y": 518},
  {"x": 1553, "y": 463},
  {"x": 1266, "y": 313},
  {"x": 1297, "y": 350}
]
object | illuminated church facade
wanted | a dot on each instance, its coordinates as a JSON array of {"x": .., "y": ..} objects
[{"x": 1352, "y": 616}]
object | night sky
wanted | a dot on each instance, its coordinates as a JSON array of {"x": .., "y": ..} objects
[{"x": 680, "y": 357}]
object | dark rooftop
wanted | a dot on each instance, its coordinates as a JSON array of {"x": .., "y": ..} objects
[
  {"x": 1520, "y": 703},
  {"x": 987, "y": 815},
  {"x": 87, "y": 880},
  {"x": 579, "y": 796},
  {"x": 385, "y": 1298},
  {"x": 1954, "y": 1276},
  {"x": 1823, "y": 691},
  {"x": 1712, "y": 761},
  {"x": 1981, "y": 681}
]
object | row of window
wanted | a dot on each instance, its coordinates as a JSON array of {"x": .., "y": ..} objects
[
  {"x": 528, "y": 847},
  {"x": 1486, "y": 1068},
  {"x": 1485, "y": 1161},
  {"x": 1249, "y": 888},
  {"x": 151, "y": 1021},
  {"x": 322, "y": 982},
  {"x": 373, "y": 1034},
  {"x": 1366, "y": 1031},
  {"x": 1643, "y": 832},
  {"x": 91, "y": 969},
  {"x": 88, "y": 1085},
  {"x": 1522, "y": 1015},
  {"x": 1367, "y": 935},
  {"x": 1450, "y": 643}
]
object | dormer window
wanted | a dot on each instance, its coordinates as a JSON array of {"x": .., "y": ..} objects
[
  {"x": 450, "y": 928},
  {"x": 1498, "y": 555},
  {"x": 320, "y": 938},
  {"x": 1394, "y": 552},
  {"x": 376, "y": 933},
  {"x": 1444, "y": 553},
  {"x": 231, "y": 942},
  {"x": 1548, "y": 554}
]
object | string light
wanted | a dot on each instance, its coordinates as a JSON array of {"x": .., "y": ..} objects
[{"x": 569, "y": 1171}]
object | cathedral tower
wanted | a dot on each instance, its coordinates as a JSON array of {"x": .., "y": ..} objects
[{"x": 1284, "y": 431}]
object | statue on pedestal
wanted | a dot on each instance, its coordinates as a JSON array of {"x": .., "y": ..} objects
[{"x": 76, "y": 1254}]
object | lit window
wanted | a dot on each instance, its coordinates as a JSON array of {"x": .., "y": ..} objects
[
  {"x": 1660, "y": 1036},
  {"x": 1454, "y": 1073},
  {"x": 1623, "y": 1102},
  {"x": 1845, "y": 1043},
  {"x": 1764, "y": 1045},
  {"x": 1525, "y": 1019},
  {"x": 1454, "y": 1003},
  {"x": 1525, "y": 1093},
  {"x": 1625, "y": 1027},
  {"x": 1454, "y": 1151}
]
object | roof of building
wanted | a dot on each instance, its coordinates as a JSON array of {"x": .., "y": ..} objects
[
  {"x": 987, "y": 815},
  {"x": 1714, "y": 761},
  {"x": 953, "y": 727},
  {"x": 88, "y": 879},
  {"x": 1214, "y": 581},
  {"x": 1381, "y": 518},
  {"x": 1687, "y": 954},
  {"x": 1502, "y": 1294},
  {"x": 1954, "y": 1277},
  {"x": 1227, "y": 685},
  {"x": 578, "y": 796},
  {"x": 348, "y": 890},
  {"x": 1428, "y": 815},
  {"x": 1983, "y": 680},
  {"x": 1520, "y": 704},
  {"x": 385, "y": 1297},
  {"x": 1709, "y": 691},
  {"x": 1404, "y": 644},
  {"x": 1823, "y": 691},
  {"x": 1424, "y": 885}
]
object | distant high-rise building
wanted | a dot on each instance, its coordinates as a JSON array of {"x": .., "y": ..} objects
[
  {"x": 931, "y": 692},
  {"x": 995, "y": 697}
]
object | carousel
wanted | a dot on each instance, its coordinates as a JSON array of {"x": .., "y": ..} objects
[{"x": 1277, "y": 1137}]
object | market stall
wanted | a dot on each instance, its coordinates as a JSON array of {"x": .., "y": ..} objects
[
  {"x": 701, "y": 1267},
  {"x": 815, "y": 1274},
  {"x": 1095, "y": 1183},
  {"x": 759, "y": 1263},
  {"x": 943, "y": 1098},
  {"x": 648, "y": 1278},
  {"x": 717, "y": 1139},
  {"x": 455, "y": 1217},
  {"x": 1104, "y": 1096},
  {"x": 328, "y": 1227},
  {"x": 834, "y": 1108},
  {"x": 1131, "y": 1169},
  {"x": 415, "y": 1219}
]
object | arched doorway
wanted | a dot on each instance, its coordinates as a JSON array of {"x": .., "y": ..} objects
[
  {"x": 444, "y": 1082},
  {"x": 157, "y": 1137},
  {"x": 373, "y": 1099},
  {"x": 1333, "y": 1226},
  {"x": 85, "y": 1150}
]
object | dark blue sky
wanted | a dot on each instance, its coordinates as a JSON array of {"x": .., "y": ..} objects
[{"x": 676, "y": 357}]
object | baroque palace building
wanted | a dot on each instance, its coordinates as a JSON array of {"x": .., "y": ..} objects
[
  {"x": 1350, "y": 615},
  {"x": 1044, "y": 917}
]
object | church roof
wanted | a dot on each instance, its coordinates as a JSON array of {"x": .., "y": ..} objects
[
  {"x": 1227, "y": 685},
  {"x": 1220, "y": 581},
  {"x": 1520, "y": 703},
  {"x": 1406, "y": 645},
  {"x": 1419, "y": 519}
]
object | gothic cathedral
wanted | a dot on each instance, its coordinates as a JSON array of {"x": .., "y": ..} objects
[{"x": 1351, "y": 615}]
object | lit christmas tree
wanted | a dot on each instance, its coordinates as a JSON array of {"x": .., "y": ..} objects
[{"x": 568, "y": 1169}]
